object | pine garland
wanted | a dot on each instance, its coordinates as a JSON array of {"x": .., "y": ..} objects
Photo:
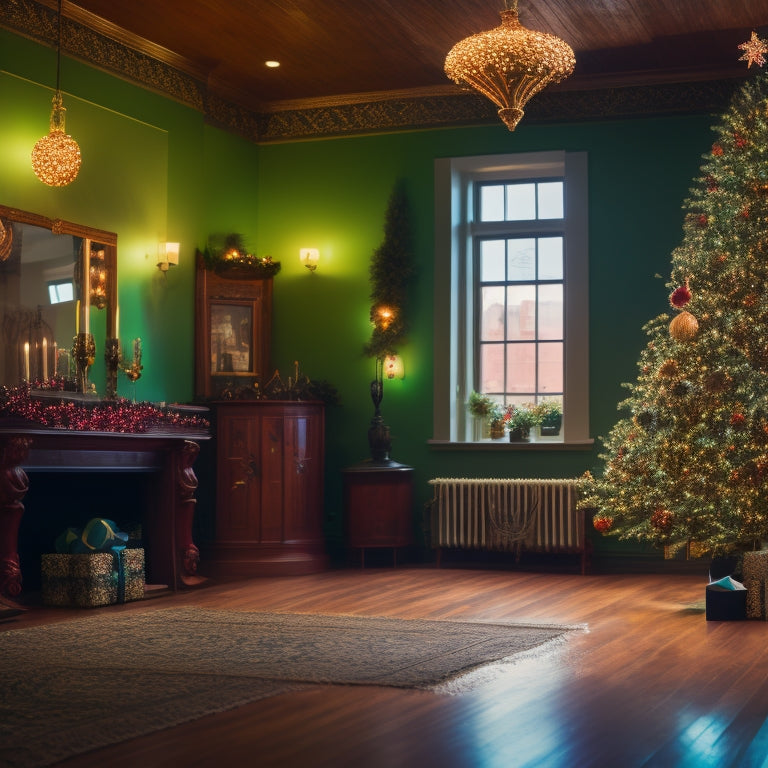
[
  {"x": 227, "y": 255},
  {"x": 390, "y": 271}
]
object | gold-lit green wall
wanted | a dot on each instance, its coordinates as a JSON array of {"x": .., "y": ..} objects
[{"x": 152, "y": 169}]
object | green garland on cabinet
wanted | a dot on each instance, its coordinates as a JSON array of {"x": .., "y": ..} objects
[{"x": 227, "y": 255}]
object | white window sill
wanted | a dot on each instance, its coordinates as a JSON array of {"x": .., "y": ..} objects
[{"x": 505, "y": 445}]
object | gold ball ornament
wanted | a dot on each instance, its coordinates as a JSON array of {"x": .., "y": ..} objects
[
  {"x": 56, "y": 159},
  {"x": 684, "y": 327}
]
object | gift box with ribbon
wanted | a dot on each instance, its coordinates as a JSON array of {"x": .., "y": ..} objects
[
  {"x": 92, "y": 567},
  {"x": 88, "y": 581},
  {"x": 755, "y": 569}
]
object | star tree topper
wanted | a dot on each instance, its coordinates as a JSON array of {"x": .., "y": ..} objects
[{"x": 754, "y": 50}]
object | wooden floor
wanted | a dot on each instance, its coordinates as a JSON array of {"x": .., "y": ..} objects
[{"x": 649, "y": 683}]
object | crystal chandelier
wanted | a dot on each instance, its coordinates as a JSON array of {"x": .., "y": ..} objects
[
  {"x": 510, "y": 64},
  {"x": 56, "y": 157}
]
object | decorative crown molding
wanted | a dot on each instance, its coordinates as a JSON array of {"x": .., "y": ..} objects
[{"x": 165, "y": 73}]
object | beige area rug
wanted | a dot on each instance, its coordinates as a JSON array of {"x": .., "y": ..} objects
[{"x": 74, "y": 686}]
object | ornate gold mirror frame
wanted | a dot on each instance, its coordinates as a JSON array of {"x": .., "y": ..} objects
[{"x": 46, "y": 341}]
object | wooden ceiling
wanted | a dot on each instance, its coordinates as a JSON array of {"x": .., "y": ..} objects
[{"x": 339, "y": 50}]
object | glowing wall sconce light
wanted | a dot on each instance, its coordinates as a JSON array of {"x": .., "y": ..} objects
[
  {"x": 393, "y": 367},
  {"x": 309, "y": 258},
  {"x": 168, "y": 256}
]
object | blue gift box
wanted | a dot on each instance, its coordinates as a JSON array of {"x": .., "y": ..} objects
[{"x": 724, "y": 604}]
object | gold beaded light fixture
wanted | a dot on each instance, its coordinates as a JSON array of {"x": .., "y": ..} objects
[
  {"x": 510, "y": 64},
  {"x": 56, "y": 157}
]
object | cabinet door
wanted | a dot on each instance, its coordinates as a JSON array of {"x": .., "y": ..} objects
[
  {"x": 303, "y": 433},
  {"x": 239, "y": 477},
  {"x": 271, "y": 504},
  {"x": 270, "y": 473}
]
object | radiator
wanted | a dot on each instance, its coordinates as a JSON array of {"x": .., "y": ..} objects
[{"x": 507, "y": 515}]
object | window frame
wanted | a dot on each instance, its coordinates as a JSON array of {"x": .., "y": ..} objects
[{"x": 454, "y": 288}]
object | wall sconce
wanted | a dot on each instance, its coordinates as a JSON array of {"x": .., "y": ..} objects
[
  {"x": 168, "y": 256},
  {"x": 309, "y": 258},
  {"x": 393, "y": 367}
]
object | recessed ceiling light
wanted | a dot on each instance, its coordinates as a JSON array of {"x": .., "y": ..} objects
[{"x": 272, "y": 64}]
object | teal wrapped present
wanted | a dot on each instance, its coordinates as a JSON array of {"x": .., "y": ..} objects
[{"x": 92, "y": 580}]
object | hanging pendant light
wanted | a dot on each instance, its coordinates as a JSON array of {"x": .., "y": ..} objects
[
  {"x": 56, "y": 157},
  {"x": 510, "y": 64}
]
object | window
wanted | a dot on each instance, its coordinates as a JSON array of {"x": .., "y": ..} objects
[
  {"x": 511, "y": 281},
  {"x": 61, "y": 290}
]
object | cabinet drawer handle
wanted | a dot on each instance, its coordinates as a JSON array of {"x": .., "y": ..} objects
[{"x": 238, "y": 482}]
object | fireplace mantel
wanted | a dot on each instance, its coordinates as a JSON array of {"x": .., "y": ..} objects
[{"x": 172, "y": 554}]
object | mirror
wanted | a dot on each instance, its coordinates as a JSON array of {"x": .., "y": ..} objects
[{"x": 58, "y": 283}]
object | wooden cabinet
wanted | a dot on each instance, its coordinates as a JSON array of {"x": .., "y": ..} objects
[
  {"x": 378, "y": 502},
  {"x": 269, "y": 500}
]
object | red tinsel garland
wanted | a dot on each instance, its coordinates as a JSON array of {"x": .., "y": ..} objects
[{"x": 117, "y": 416}]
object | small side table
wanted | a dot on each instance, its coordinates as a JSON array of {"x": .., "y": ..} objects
[{"x": 378, "y": 505}]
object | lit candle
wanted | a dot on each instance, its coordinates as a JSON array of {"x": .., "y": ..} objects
[
  {"x": 77, "y": 317},
  {"x": 55, "y": 358},
  {"x": 86, "y": 306},
  {"x": 117, "y": 323},
  {"x": 26, "y": 361},
  {"x": 45, "y": 359}
]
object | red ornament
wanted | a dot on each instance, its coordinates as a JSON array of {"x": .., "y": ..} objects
[
  {"x": 680, "y": 296},
  {"x": 737, "y": 419},
  {"x": 661, "y": 519},
  {"x": 603, "y": 524},
  {"x": 702, "y": 220},
  {"x": 739, "y": 140},
  {"x": 717, "y": 150}
]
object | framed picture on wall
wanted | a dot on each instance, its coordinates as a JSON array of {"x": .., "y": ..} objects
[
  {"x": 231, "y": 340},
  {"x": 232, "y": 333}
]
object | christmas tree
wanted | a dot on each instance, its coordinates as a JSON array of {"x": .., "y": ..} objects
[{"x": 687, "y": 465}]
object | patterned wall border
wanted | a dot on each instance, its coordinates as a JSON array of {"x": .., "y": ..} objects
[
  {"x": 374, "y": 115},
  {"x": 470, "y": 109}
]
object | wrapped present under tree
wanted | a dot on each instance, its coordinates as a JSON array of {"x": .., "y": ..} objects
[{"x": 755, "y": 570}]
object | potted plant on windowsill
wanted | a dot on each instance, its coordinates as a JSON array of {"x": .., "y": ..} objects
[
  {"x": 488, "y": 411},
  {"x": 550, "y": 414},
  {"x": 520, "y": 419}
]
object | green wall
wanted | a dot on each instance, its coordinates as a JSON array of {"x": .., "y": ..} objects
[{"x": 332, "y": 194}]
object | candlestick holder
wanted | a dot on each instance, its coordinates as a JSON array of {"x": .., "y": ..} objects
[
  {"x": 133, "y": 369},
  {"x": 83, "y": 353},
  {"x": 112, "y": 360}
]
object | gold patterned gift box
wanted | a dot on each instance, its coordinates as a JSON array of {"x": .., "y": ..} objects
[
  {"x": 91, "y": 580},
  {"x": 755, "y": 570}
]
